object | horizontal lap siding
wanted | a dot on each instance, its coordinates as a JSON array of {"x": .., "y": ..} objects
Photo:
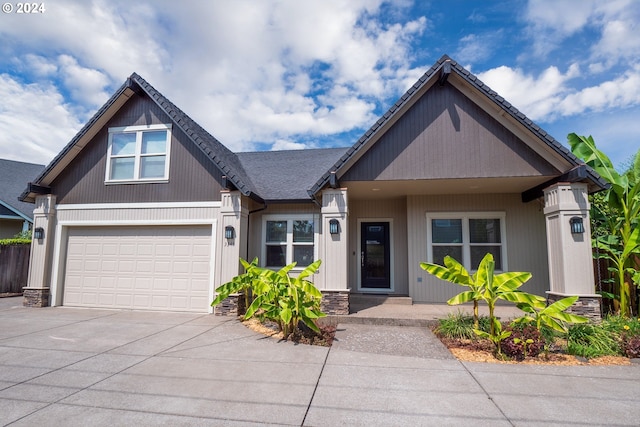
[
  {"x": 192, "y": 176},
  {"x": 526, "y": 240}
]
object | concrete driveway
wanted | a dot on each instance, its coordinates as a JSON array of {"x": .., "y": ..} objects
[{"x": 73, "y": 367}]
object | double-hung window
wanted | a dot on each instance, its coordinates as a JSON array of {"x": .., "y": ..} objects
[
  {"x": 467, "y": 237},
  {"x": 288, "y": 239},
  {"x": 138, "y": 154}
]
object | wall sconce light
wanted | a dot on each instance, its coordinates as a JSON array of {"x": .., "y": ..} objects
[
  {"x": 334, "y": 227},
  {"x": 229, "y": 232},
  {"x": 577, "y": 227},
  {"x": 38, "y": 233}
]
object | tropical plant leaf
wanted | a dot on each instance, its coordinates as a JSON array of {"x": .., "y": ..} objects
[{"x": 462, "y": 297}]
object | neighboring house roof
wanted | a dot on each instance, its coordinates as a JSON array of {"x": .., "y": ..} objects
[
  {"x": 440, "y": 71},
  {"x": 287, "y": 175},
  {"x": 220, "y": 155},
  {"x": 13, "y": 177}
]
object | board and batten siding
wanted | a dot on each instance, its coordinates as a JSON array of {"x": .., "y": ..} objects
[
  {"x": 446, "y": 135},
  {"x": 192, "y": 176},
  {"x": 372, "y": 210},
  {"x": 525, "y": 238}
]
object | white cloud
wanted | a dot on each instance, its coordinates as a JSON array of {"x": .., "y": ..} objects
[
  {"x": 35, "y": 122},
  {"x": 475, "y": 47},
  {"x": 282, "y": 144},
  {"x": 85, "y": 84}
]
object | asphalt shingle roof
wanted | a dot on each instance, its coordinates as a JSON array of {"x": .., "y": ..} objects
[
  {"x": 288, "y": 175},
  {"x": 14, "y": 176}
]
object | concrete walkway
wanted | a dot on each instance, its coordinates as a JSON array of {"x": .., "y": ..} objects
[{"x": 73, "y": 367}]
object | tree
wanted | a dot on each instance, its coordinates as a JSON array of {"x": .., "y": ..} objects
[{"x": 622, "y": 241}]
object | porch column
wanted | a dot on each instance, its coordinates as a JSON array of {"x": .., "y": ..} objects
[
  {"x": 36, "y": 293},
  {"x": 233, "y": 215},
  {"x": 570, "y": 254},
  {"x": 334, "y": 272}
]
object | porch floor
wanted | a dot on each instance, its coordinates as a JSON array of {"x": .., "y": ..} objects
[{"x": 402, "y": 312}]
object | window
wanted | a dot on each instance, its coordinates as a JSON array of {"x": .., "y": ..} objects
[
  {"x": 138, "y": 153},
  {"x": 467, "y": 238},
  {"x": 287, "y": 240}
]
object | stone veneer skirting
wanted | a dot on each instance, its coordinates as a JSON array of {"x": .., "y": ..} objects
[
  {"x": 233, "y": 305},
  {"x": 335, "y": 302},
  {"x": 35, "y": 297},
  {"x": 587, "y": 306}
]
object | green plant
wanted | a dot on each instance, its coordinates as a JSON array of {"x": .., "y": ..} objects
[
  {"x": 588, "y": 340},
  {"x": 553, "y": 315},
  {"x": 14, "y": 241},
  {"x": 460, "y": 326},
  {"x": 525, "y": 340},
  {"x": 485, "y": 286},
  {"x": 620, "y": 219},
  {"x": 25, "y": 234},
  {"x": 278, "y": 297}
]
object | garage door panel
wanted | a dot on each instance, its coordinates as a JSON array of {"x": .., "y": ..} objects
[{"x": 157, "y": 268}]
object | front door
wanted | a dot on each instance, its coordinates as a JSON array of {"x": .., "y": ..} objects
[{"x": 374, "y": 256}]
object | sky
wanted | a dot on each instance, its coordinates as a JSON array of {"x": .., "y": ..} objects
[{"x": 290, "y": 74}]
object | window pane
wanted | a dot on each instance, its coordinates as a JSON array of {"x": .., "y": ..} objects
[
  {"x": 154, "y": 142},
  {"x": 303, "y": 231},
  {"x": 123, "y": 144},
  {"x": 122, "y": 168},
  {"x": 478, "y": 252},
  {"x": 439, "y": 252},
  {"x": 484, "y": 231},
  {"x": 446, "y": 230},
  {"x": 152, "y": 167},
  {"x": 277, "y": 231},
  {"x": 276, "y": 256},
  {"x": 303, "y": 255}
]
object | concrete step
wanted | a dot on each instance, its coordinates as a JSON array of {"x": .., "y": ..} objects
[{"x": 371, "y": 300}]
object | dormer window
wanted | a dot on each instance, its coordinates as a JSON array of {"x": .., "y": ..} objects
[{"x": 138, "y": 154}]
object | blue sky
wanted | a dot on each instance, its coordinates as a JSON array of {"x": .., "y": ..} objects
[{"x": 261, "y": 74}]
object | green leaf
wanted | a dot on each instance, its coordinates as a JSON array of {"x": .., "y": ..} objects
[{"x": 462, "y": 297}]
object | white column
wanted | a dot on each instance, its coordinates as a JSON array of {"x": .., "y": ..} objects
[
  {"x": 570, "y": 254},
  {"x": 233, "y": 213},
  {"x": 44, "y": 216},
  {"x": 334, "y": 247}
]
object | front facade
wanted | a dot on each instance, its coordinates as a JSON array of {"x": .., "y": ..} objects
[{"x": 145, "y": 210}]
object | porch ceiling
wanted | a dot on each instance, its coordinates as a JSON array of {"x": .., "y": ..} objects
[{"x": 390, "y": 189}]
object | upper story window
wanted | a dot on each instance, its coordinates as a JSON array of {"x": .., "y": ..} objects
[
  {"x": 138, "y": 153},
  {"x": 287, "y": 239},
  {"x": 467, "y": 237}
]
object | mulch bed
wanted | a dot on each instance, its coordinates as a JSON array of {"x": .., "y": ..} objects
[{"x": 302, "y": 335}]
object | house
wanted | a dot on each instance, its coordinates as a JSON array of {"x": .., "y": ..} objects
[
  {"x": 144, "y": 209},
  {"x": 15, "y": 216}
]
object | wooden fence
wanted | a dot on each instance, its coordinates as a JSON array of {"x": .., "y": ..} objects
[{"x": 14, "y": 267}]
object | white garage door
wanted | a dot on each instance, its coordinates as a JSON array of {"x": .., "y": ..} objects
[{"x": 143, "y": 268}]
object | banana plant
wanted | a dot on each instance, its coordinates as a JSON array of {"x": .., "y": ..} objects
[
  {"x": 241, "y": 283},
  {"x": 552, "y": 315},
  {"x": 623, "y": 198}
]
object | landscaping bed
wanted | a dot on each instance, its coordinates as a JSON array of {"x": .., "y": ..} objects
[{"x": 300, "y": 335}]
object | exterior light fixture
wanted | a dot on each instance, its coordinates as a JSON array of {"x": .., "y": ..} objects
[
  {"x": 229, "y": 232},
  {"x": 577, "y": 227},
  {"x": 334, "y": 227},
  {"x": 38, "y": 233}
]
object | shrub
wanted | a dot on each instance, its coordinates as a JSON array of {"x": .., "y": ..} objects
[
  {"x": 525, "y": 340},
  {"x": 460, "y": 326},
  {"x": 589, "y": 341},
  {"x": 632, "y": 347}
]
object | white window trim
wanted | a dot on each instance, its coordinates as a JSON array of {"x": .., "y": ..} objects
[
  {"x": 466, "y": 251},
  {"x": 289, "y": 243},
  {"x": 137, "y": 155}
]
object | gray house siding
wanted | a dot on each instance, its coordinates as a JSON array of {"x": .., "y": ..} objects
[
  {"x": 446, "y": 135},
  {"x": 192, "y": 176}
]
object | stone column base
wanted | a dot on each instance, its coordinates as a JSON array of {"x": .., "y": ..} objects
[
  {"x": 233, "y": 305},
  {"x": 35, "y": 297},
  {"x": 335, "y": 302},
  {"x": 589, "y": 306}
]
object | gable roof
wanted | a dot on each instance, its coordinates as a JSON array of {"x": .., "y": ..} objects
[
  {"x": 440, "y": 72},
  {"x": 287, "y": 175},
  {"x": 13, "y": 177},
  {"x": 221, "y": 156}
]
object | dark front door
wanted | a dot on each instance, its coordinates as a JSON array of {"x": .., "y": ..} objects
[{"x": 374, "y": 255}]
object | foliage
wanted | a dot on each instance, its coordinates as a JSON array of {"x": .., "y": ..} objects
[
  {"x": 632, "y": 347},
  {"x": 486, "y": 286},
  {"x": 622, "y": 240},
  {"x": 588, "y": 340},
  {"x": 14, "y": 241},
  {"x": 460, "y": 326},
  {"x": 26, "y": 235},
  {"x": 278, "y": 297},
  {"x": 525, "y": 340},
  {"x": 552, "y": 316}
]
